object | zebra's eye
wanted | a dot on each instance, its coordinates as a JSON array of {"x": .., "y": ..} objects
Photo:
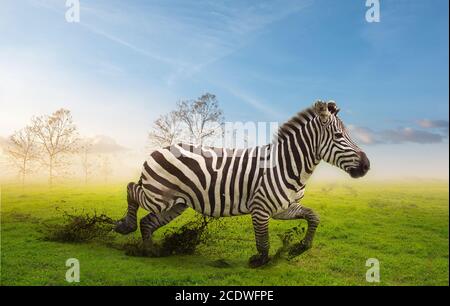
[{"x": 338, "y": 135}]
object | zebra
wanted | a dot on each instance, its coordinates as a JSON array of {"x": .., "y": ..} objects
[{"x": 265, "y": 181}]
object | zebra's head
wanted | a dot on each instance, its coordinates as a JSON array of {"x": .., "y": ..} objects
[{"x": 336, "y": 147}]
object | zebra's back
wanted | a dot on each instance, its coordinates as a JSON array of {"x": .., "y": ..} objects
[{"x": 214, "y": 181}]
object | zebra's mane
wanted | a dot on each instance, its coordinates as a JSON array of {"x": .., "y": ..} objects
[{"x": 299, "y": 120}]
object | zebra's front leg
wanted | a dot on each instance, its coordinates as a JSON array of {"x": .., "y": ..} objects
[
  {"x": 261, "y": 227},
  {"x": 297, "y": 211},
  {"x": 128, "y": 224}
]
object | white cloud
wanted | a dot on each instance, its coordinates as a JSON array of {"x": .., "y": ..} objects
[
  {"x": 441, "y": 125},
  {"x": 402, "y": 135},
  {"x": 365, "y": 135}
]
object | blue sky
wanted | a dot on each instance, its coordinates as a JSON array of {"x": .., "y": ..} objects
[{"x": 127, "y": 62}]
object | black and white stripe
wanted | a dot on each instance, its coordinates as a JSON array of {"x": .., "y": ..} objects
[{"x": 265, "y": 181}]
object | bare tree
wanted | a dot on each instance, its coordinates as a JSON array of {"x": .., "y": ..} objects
[
  {"x": 58, "y": 136},
  {"x": 166, "y": 130},
  {"x": 85, "y": 151},
  {"x": 22, "y": 149},
  {"x": 194, "y": 121},
  {"x": 203, "y": 117}
]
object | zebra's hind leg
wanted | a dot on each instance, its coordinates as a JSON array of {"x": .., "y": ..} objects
[
  {"x": 128, "y": 224},
  {"x": 298, "y": 211},
  {"x": 261, "y": 227},
  {"x": 151, "y": 222}
]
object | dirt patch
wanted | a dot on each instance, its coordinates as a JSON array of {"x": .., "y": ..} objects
[{"x": 79, "y": 228}]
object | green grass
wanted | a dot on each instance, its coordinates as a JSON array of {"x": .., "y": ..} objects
[{"x": 403, "y": 225}]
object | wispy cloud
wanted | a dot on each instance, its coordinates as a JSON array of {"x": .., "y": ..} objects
[
  {"x": 184, "y": 38},
  {"x": 134, "y": 48},
  {"x": 434, "y": 124},
  {"x": 256, "y": 103},
  {"x": 229, "y": 29},
  {"x": 410, "y": 135},
  {"x": 363, "y": 135},
  {"x": 403, "y": 134},
  {"x": 188, "y": 37}
]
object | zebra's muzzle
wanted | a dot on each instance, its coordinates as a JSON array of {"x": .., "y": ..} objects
[{"x": 363, "y": 167}]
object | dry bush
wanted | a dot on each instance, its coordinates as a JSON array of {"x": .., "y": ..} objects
[{"x": 80, "y": 228}]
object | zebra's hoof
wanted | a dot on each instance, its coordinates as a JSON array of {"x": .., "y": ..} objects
[
  {"x": 124, "y": 228},
  {"x": 298, "y": 249},
  {"x": 258, "y": 260}
]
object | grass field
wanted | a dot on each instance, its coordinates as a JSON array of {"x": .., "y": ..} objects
[{"x": 403, "y": 225}]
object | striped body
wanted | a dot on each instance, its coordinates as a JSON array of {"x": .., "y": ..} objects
[
  {"x": 266, "y": 181},
  {"x": 217, "y": 182}
]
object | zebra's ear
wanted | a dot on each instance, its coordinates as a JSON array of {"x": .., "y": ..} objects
[
  {"x": 321, "y": 109},
  {"x": 332, "y": 107}
]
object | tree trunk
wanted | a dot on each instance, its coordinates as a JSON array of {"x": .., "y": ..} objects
[
  {"x": 24, "y": 171},
  {"x": 50, "y": 178}
]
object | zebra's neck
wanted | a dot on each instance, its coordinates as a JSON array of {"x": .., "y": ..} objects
[{"x": 297, "y": 153}]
